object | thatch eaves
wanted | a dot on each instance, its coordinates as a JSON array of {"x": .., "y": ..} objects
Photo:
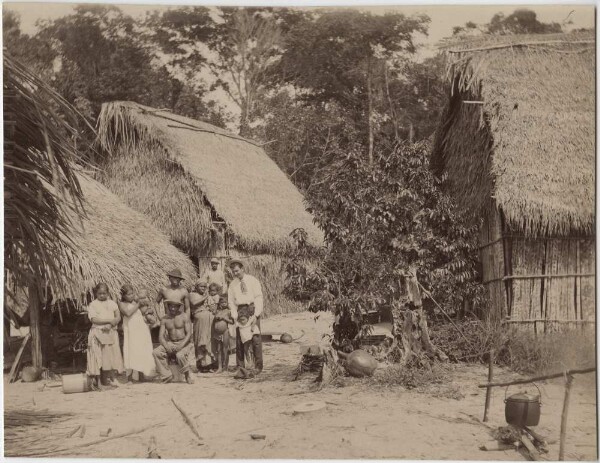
[
  {"x": 520, "y": 128},
  {"x": 119, "y": 246},
  {"x": 184, "y": 174}
]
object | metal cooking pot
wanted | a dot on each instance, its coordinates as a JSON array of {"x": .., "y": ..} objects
[{"x": 523, "y": 409}]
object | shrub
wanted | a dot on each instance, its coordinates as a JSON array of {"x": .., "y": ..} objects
[{"x": 520, "y": 350}]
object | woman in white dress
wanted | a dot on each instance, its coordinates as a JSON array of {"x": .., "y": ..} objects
[{"x": 137, "y": 342}]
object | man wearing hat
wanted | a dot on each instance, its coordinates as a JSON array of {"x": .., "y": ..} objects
[
  {"x": 215, "y": 275},
  {"x": 175, "y": 292},
  {"x": 245, "y": 295}
]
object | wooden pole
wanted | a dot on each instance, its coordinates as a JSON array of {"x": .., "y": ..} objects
[
  {"x": 488, "y": 393},
  {"x": 34, "y": 326},
  {"x": 563, "y": 418},
  {"x": 539, "y": 378}
]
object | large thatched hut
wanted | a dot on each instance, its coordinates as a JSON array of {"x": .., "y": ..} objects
[
  {"x": 213, "y": 192},
  {"x": 516, "y": 144},
  {"x": 115, "y": 245}
]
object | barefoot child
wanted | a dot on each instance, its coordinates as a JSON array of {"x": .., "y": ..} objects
[
  {"x": 220, "y": 330},
  {"x": 137, "y": 343},
  {"x": 247, "y": 326},
  {"x": 214, "y": 291},
  {"x": 103, "y": 353}
]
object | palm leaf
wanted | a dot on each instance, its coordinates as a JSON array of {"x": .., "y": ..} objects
[{"x": 43, "y": 198}]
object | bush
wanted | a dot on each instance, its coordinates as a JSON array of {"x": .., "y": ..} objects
[
  {"x": 517, "y": 349},
  {"x": 547, "y": 353}
]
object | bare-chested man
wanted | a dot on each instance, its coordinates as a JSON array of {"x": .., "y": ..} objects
[
  {"x": 175, "y": 292},
  {"x": 175, "y": 341}
]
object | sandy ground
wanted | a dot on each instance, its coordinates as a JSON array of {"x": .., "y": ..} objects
[{"x": 360, "y": 420}]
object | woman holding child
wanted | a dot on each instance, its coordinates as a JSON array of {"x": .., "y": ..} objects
[{"x": 137, "y": 342}]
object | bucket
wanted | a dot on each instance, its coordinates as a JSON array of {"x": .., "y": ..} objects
[{"x": 76, "y": 383}]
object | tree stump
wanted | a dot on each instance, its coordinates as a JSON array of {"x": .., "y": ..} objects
[{"x": 411, "y": 326}]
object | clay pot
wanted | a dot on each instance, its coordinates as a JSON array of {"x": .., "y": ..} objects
[
  {"x": 359, "y": 363},
  {"x": 286, "y": 338}
]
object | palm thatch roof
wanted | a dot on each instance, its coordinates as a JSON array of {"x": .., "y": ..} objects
[
  {"x": 185, "y": 175},
  {"x": 119, "y": 246},
  {"x": 519, "y": 127}
]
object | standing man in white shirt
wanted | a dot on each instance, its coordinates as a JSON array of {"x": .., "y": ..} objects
[
  {"x": 215, "y": 275},
  {"x": 245, "y": 293}
]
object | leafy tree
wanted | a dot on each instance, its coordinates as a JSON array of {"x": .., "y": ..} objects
[
  {"x": 520, "y": 21},
  {"x": 342, "y": 57},
  {"x": 379, "y": 223}
]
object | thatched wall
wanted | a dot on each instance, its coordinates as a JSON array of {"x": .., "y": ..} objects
[
  {"x": 527, "y": 112},
  {"x": 199, "y": 169},
  {"x": 516, "y": 143}
]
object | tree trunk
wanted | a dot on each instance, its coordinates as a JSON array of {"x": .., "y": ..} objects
[
  {"x": 34, "y": 325},
  {"x": 411, "y": 326},
  {"x": 370, "y": 98},
  {"x": 411, "y": 132},
  {"x": 389, "y": 97}
]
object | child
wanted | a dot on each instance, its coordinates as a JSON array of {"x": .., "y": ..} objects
[
  {"x": 103, "y": 353},
  {"x": 213, "y": 297},
  {"x": 148, "y": 312},
  {"x": 246, "y": 323},
  {"x": 221, "y": 334},
  {"x": 137, "y": 343}
]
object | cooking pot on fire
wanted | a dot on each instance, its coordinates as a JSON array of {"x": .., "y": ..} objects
[{"x": 523, "y": 409}]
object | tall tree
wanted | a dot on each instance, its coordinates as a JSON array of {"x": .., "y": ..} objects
[
  {"x": 246, "y": 45},
  {"x": 343, "y": 57}
]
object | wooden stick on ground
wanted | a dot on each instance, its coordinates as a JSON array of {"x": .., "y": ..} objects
[
  {"x": 533, "y": 452},
  {"x": 187, "y": 419},
  {"x": 488, "y": 393},
  {"x": 97, "y": 441},
  {"x": 563, "y": 418}
]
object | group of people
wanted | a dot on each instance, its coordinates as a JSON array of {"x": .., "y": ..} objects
[{"x": 195, "y": 328}]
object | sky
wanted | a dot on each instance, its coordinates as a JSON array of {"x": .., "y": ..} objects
[{"x": 443, "y": 17}]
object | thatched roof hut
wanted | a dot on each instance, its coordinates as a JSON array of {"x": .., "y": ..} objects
[
  {"x": 516, "y": 143},
  {"x": 190, "y": 178},
  {"x": 116, "y": 245},
  {"x": 120, "y": 246}
]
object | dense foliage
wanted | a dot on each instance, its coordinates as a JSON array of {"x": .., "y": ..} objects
[{"x": 381, "y": 220}]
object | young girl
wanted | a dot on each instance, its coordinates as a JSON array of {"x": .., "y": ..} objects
[
  {"x": 137, "y": 343},
  {"x": 220, "y": 334},
  {"x": 103, "y": 353},
  {"x": 213, "y": 297}
]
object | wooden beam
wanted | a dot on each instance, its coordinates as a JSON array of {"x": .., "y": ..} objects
[
  {"x": 34, "y": 325},
  {"x": 14, "y": 369},
  {"x": 539, "y": 378}
]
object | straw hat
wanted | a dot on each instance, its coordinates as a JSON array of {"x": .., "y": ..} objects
[
  {"x": 233, "y": 262},
  {"x": 176, "y": 273},
  {"x": 214, "y": 260}
]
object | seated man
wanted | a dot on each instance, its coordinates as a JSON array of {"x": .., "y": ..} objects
[{"x": 175, "y": 341}]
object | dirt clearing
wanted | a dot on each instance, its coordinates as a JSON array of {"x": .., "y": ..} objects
[{"x": 360, "y": 420}]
